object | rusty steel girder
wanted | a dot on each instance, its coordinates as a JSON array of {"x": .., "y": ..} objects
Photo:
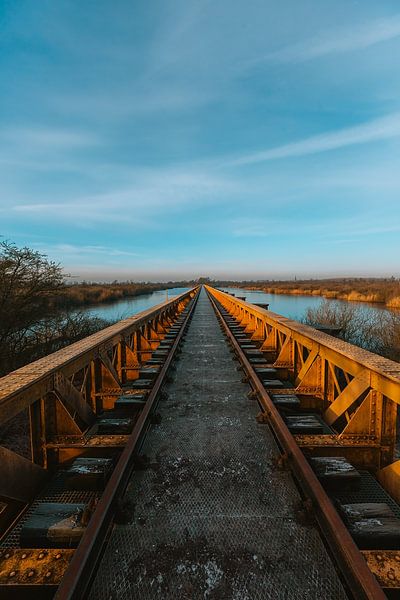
[
  {"x": 356, "y": 391},
  {"x": 64, "y": 391}
]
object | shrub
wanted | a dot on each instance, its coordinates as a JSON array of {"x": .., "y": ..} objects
[{"x": 377, "y": 331}]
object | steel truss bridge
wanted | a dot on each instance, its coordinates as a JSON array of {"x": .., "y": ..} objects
[{"x": 204, "y": 448}]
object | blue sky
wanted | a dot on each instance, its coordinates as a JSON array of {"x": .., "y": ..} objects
[{"x": 156, "y": 140}]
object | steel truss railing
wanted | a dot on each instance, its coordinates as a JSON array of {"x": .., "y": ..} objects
[
  {"x": 356, "y": 391},
  {"x": 63, "y": 392}
]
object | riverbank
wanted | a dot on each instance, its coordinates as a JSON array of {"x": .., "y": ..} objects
[
  {"x": 84, "y": 294},
  {"x": 385, "y": 292}
]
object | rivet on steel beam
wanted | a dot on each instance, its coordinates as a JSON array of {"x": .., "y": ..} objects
[
  {"x": 31, "y": 573},
  {"x": 48, "y": 574},
  {"x": 12, "y": 574}
]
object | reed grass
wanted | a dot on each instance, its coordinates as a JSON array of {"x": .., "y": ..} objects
[{"x": 381, "y": 291}]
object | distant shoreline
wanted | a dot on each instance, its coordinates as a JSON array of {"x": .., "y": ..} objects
[
  {"x": 85, "y": 295},
  {"x": 373, "y": 297}
]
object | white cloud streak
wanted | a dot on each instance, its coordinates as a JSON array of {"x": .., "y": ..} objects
[
  {"x": 47, "y": 138},
  {"x": 87, "y": 250},
  {"x": 155, "y": 192},
  {"x": 326, "y": 229},
  {"x": 372, "y": 131},
  {"x": 336, "y": 42}
]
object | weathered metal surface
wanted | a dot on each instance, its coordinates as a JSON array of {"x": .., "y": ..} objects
[
  {"x": 54, "y": 525},
  {"x": 91, "y": 441},
  {"x": 390, "y": 478},
  {"x": 372, "y": 525},
  {"x": 286, "y": 400},
  {"x": 304, "y": 424},
  {"x": 130, "y": 401},
  {"x": 112, "y": 426},
  {"x": 335, "y": 472},
  {"x": 20, "y": 479},
  {"x": 336, "y": 440},
  {"x": 88, "y": 473},
  {"x": 142, "y": 384},
  {"x": 35, "y": 568},
  {"x": 69, "y": 395},
  {"x": 214, "y": 517},
  {"x": 385, "y": 565}
]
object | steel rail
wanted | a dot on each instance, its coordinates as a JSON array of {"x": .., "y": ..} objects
[
  {"x": 78, "y": 578},
  {"x": 358, "y": 577}
]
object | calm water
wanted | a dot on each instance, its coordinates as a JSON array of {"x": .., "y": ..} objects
[
  {"x": 121, "y": 309},
  {"x": 294, "y": 307}
]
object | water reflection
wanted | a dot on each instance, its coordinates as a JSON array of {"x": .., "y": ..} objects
[
  {"x": 121, "y": 309},
  {"x": 294, "y": 307}
]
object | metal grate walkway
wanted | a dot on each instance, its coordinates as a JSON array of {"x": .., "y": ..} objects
[{"x": 214, "y": 518}]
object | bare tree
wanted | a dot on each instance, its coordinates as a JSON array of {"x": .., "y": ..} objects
[
  {"x": 31, "y": 323},
  {"x": 377, "y": 331},
  {"x": 388, "y": 332}
]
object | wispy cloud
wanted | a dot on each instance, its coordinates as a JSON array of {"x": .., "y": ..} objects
[
  {"x": 83, "y": 250},
  {"x": 372, "y": 131},
  {"x": 47, "y": 138},
  {"x": 142, "y": 99},
  {"x": 153, "y": 193},
  {"x": 251, "y": 227},
  {"x": 336, "y": 42},
  {"x": 323, "y": 228}
]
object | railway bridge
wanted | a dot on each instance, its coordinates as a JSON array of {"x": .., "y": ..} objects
[{"x": 205, "y": 448}]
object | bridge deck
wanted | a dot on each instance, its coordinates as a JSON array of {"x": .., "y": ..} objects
[{"x": 213, "y": 515}]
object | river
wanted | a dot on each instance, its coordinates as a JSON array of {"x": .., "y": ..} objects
[
  {"x": 292, "y": 306},
  {"x": 121, "y": 309}
]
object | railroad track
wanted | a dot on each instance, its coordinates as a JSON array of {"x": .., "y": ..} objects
[{"x": 132, "y": 482}]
